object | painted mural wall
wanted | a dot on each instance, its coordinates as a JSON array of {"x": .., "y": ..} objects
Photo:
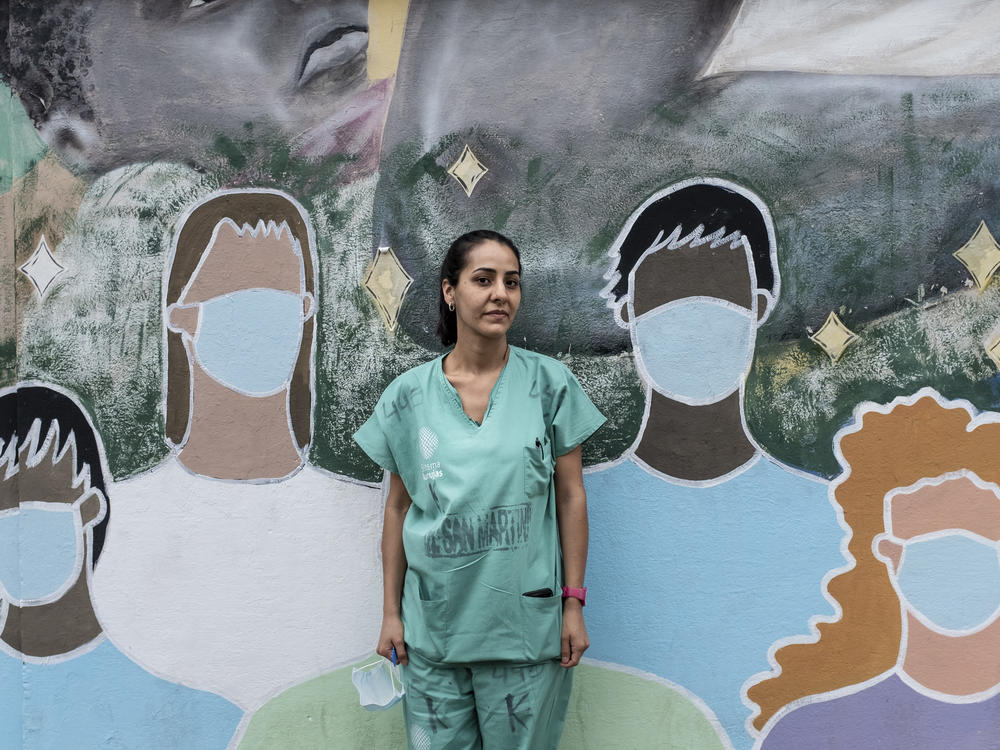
[{"x": 760, "y": 233}]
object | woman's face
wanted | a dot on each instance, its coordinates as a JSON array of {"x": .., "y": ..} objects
[
  {"x": 942, "y": 550},
  {"x": 488, "y": 292}
]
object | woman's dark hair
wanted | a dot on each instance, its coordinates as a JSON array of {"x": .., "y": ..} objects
[{"x": 451, "y": 267}]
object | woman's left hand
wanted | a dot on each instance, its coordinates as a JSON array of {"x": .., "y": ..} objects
[{"x": 574, "y": 633}]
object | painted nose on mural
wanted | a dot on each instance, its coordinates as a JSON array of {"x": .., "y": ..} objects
[
  {"x": 39, "y": 552},
  {"x": 695, "y": 350},
  {"x": 249, "y": 340}
]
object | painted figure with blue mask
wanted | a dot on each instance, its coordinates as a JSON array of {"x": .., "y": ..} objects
[
  {"x": 240, "y": 318},
  {"x": 941, "y": 548},
  {"x": 912, "y": 659},
  {"x": 53, "y": 516},
  {"x": 695, "y": 274},
  {"x": 275, "y": 535},
  {"x": 695, "y": 350},
  {"x": 41, "y": 550},
  {"x": 60, "y": 678},
  {"x": 950, "y": 580},
  {"x": 695, "y": 499}
]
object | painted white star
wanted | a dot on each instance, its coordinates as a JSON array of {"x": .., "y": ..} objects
[{"x": 41, "y": 267}]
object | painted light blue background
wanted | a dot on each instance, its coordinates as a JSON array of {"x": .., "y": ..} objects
[
  {"x": 694, "y": 584},
  {"x": 37, "y": 551},
  {"x": 103, "y": 700}
]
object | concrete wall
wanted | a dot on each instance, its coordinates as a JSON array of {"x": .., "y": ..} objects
[{"x": 760, "y": 233}]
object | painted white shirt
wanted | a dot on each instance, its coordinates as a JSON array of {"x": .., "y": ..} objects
[{"x": 237, "y": 588}]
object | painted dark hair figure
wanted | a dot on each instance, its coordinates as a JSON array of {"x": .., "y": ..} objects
[
  {"x": 484, "y": 542},
  {"x": 693, "y": 274},
  {"x": 717, "y": 214},
  {"x": 52, "y": 483}
]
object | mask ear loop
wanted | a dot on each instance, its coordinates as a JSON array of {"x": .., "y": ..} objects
[
  {"x": 397, "y": 679},
  {"x": 369, "y": 665}
]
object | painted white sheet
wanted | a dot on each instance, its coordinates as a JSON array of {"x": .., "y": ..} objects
[{"x": 862, "y": 37}]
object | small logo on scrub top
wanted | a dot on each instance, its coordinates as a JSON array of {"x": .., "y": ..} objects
[{"x": 428, "y": 442}]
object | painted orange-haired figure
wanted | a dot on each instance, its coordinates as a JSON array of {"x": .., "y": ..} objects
[{"x": 914, "y": 659}]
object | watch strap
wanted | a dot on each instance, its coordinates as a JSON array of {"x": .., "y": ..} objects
[{"x": 580, "y": 594}]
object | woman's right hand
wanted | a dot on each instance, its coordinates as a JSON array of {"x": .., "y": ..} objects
[{"x": 392, "y": 635}]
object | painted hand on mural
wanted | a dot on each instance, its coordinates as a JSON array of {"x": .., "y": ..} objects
[
  {"x": 915, "y": 647},
  {"x": 910, "y": 37}
]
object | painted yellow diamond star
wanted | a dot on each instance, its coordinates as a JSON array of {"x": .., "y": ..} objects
[
  {"x": 834, "y": 337},
  {"x": 467, "y": 170},
  {"x": 981, "y": 255},
  {"x": 387, "y": 282}
]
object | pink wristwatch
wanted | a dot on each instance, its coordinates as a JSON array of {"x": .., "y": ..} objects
[{"x": 580, "y": 594}]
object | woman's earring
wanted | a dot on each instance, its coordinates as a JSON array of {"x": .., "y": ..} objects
[{"x": 451, "y": 306}]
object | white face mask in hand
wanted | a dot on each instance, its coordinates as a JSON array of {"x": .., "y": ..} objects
[{"x": 379, "y": 684}]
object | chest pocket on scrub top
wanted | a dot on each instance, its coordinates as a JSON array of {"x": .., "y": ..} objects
[{"x": 538, "y": 467}]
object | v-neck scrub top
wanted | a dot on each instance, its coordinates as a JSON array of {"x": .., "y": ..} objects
[{"x": 481, "y": 531}]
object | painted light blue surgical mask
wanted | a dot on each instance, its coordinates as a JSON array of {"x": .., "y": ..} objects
[
  {"x": 249, "y": 340},
  {"x": 39, "y": 551},
  {"x": 952, "y": 580},
  {"x": 696, "y": 349}
]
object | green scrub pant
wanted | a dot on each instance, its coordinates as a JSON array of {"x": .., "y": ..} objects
[{"x": 485, "y": 705}]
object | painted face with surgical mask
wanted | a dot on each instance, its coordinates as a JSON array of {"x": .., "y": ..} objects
[
  {"x": 249, "y": 340},
  {"x": 245, "y": 339},
  {"x": 244, "y": 317},
  {"x": 41, "y": 550},
  {"x": 942, "y": 551},
  {"x": 694, "y": 349}
]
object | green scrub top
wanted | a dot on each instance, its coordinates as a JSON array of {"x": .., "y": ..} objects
[{"x": 481, "y": 531}]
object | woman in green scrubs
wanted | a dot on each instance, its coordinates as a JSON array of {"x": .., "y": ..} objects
[{"x": 484, "y": 543}]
